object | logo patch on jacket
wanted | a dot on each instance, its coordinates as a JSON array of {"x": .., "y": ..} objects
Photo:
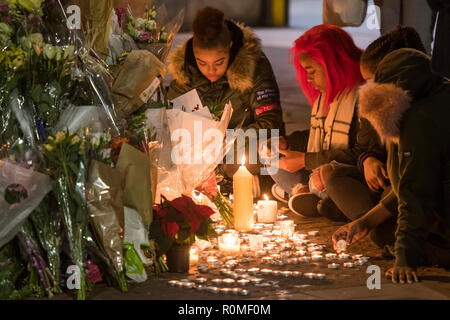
[
  {"x": 266, "y": 94},
  {"x": 407, "y": 154},
  {"x": 267, "y": 107}
]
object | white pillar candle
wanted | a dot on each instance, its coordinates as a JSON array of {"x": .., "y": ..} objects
[
  {"x": 267, "y": 210},
  {"x": 243, "y": 198}
]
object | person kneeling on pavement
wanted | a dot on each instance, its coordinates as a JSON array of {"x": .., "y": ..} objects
[{"x": 408, "y": 106}]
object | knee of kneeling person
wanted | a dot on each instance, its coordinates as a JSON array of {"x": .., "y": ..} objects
[{"x": 333, "y": 176}]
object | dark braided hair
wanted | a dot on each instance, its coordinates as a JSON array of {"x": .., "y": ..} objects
[
  {"x": 399, "y": 37},
  {"x": 210, "y": 29}
]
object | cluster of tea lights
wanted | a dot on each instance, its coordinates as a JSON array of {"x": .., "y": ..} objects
[{"x": 269, "y": 245}]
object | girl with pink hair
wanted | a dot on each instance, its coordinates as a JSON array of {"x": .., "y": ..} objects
[{"x": 327, "y": 64}]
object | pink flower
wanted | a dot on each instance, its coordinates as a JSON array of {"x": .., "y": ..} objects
[{"x": 145, "y": 36}]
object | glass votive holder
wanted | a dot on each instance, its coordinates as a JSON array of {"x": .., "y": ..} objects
[
  {"x": 287, "y": 228},
  {"x": 229, "y": 243},
  {"x": 256, "y": 242},
  {"x": 267, "y": 210},
  {"x": 193, "y": 256}
]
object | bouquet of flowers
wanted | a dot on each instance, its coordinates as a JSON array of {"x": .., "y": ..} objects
[
  {"x": 179, "y": 222},
  {"x": 66, "y": 163},
  {"x": 152, "y": 31}
]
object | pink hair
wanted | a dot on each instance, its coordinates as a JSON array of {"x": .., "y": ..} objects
[{"x": 335, "y": 50}]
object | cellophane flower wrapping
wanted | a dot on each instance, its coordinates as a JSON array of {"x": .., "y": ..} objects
[{"x": 153, "y": 30}]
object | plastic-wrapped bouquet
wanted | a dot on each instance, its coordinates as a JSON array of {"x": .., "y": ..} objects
[{"x": 152, "y": 31}]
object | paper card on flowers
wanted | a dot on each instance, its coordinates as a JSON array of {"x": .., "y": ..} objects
[{"x": 189, "y": 102}]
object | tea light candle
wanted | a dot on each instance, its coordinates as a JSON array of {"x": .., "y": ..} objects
[
  {"x": 235, "y": 291},
  {"x": 305, "y": 259},
  {"x": 243, "y": 282},
  {"x": 240, "y": 271},
  {"x": 331, "y": 256},
  {"x": 253, "y": 271},
  {"x": 203, "y": 268},
  {"x": 267, "y": 210},
  {"x": 173, "y": 283},
  {"x": 228, "y": 281},
  {"x": 200, "y": 287},
  {"x": 349, "y": 264},
  {"x": 201, "y": 280},
  {"x": 316, "y": 253},
  {"x": 244, "y": 292},
  {"x": 343, "y": 256},
  {"x": 260, "y": 253},
  {"x": 267, "y": 259},
  {"x": 297, "y": 274},
  {"x": 276, "y": 273},
  {"x": 275, "y": 256},
  {"x": 300, "y": 253},
  {"x": 213, "y": 289},
  {"x": 316, "y": 257},
  {"x": 229, "y": 242},
  {"x": 287, "y": 228},
  {"x": 360, "y": 262},
  {"x": 341, "y": 245},
  {"x": 310, "y": 275},
  {"x": 243, "y": 198},
  {"x": 188, "y": 285},
  {"x": 357, "y": 256},
  {"x": 365, "y": 259},
  {"x": 216, "y": 281},
  {"x": 333, "y": 266},
  {"x": 313, "y": 233},
  {"x": 286, "y": 273},
  {"x": 266, "y": 272},
  {"x": 211, "y": 261},
  {"x": 225, "y": 290},
  {"x": 256, "y": 242},
  {"x": 320, "y": 276},
  {"x": 256, "y": 280}
]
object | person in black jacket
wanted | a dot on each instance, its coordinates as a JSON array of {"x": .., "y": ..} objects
[
  {"x": 356, "y": 190},
  {"x": 349, "y": 188}
]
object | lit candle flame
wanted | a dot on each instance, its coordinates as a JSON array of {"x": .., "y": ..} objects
[
  {"x": 266, "y": 197},
  {"x": 243, "y": 160}
]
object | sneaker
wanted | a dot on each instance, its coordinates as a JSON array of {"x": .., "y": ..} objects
[
  {"x": 304, "y": 204},
  {"x": 279, "y": 194}
]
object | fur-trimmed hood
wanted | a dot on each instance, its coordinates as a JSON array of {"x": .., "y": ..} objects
[
  {"x": 402, "y": 77},
  {"x": 240, "y": 73}
]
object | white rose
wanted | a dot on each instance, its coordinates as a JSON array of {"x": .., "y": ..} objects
[
  {"x": 140, "y": 23},
  {"x": 151, "y": 24}
]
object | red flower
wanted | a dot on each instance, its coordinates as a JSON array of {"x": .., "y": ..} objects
[
  {"x": 193, "y": 213},
  {"x": 170, "y": 228}
]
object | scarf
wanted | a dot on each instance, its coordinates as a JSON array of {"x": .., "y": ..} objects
[{"x": 331, "y": 131}]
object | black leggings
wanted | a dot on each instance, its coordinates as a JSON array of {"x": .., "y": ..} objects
[{"x": 347, "y": 188}]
